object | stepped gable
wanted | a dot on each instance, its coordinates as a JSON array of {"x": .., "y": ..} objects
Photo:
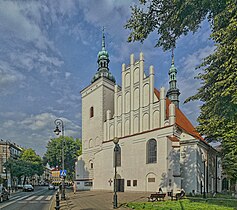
[{"x": 181, "y": 120}]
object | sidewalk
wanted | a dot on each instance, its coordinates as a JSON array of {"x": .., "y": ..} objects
[{"x": 98, "y": 200}]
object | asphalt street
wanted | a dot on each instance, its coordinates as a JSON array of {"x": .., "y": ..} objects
[{"x": 40, "y": 199}]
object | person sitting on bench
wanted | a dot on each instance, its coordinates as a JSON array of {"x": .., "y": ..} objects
[{"x": 160, "y": 191}]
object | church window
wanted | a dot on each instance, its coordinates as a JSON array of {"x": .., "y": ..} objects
[
  {"x": 128, "y": 183},
  {"x": 151, "y": 151},
  {"x": 134, "y": 183},
  {"x": 91, "y": 112},
  {"x": 91, "y": 165}
]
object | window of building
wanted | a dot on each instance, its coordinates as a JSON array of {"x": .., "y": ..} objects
[
  {"x": 88, "y": 184},
  {"x": 91, "y": 165},
  {"x": 128, "y": 183},
  {"x": 134, "y": 183},
  {"x": 152, "y": 151},
  {"x": 151, "y": 179},
  {"x": 91, "y": 112}
]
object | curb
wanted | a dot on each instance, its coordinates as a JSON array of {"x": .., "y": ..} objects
[{"x": 52, "y": 204}]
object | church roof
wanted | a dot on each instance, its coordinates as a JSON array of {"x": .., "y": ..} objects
[{"x": 181, "y": 120}]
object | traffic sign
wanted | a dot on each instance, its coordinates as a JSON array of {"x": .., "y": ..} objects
[{"x": 63, "y": 172}]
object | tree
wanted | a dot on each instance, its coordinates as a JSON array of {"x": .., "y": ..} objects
[
  {"x": 171, "y": 19},
  {"x": 28, "y": 165},
  {"x": 72, "y": 149}
]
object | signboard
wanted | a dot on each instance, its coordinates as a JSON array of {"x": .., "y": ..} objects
[{"x": 63, "y": 172}]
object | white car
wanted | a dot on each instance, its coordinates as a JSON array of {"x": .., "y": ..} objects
[
  {"x": 51, "y": 187},
  {"x": 28, "y": 187}
]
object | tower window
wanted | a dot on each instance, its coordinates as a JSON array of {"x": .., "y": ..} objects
[{"x": 91, "y": 112}]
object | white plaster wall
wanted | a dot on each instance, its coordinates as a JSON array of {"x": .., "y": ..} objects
[
  {"x": 100, "y": 96},
  {"x": 133, "y": 162},
  {"x": 188, "y": 167}
]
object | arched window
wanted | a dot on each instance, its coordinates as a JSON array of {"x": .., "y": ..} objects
[
  {"x": 152, "y": 151},
  {"x": 91, "y": 112}
]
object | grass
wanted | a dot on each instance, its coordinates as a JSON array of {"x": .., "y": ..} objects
[{"x": 187, "y": 204}]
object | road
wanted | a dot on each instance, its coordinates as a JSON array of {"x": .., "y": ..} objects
[{"x": 40, "y": 199}]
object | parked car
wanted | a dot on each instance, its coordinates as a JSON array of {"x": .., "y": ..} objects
[
  {"x": 20, "y": 186},
  {"x": 51, "y": 187},
  {"x": 28, "y": 187},
  {"x": 4, "y": 194}
]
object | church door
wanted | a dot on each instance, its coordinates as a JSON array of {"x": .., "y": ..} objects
[{"x": 120, "y": 185}]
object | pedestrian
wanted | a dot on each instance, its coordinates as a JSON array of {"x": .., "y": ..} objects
[
  {"x": 74, "y": 187},
  {"x": 160, "y": 190}
]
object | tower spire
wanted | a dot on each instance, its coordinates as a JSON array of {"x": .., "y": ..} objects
[
  {"x": 103, "y": 62},
  {"x": 103, "y": 38},
  {"x": 172, "y": 56},
  {"x": 173, "y": 92}
]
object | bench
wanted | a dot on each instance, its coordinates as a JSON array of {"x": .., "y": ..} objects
[{"x": 156, "y": 197}]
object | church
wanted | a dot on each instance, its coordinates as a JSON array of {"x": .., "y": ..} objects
[{"x": 158, "y": 145}]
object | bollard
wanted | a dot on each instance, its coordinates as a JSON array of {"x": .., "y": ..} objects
[{"x": 57, "y": 207}]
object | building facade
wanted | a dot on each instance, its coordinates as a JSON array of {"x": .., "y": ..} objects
[
  {"x": 158, "y": 146},
  {"x": 8, "y": 150}
]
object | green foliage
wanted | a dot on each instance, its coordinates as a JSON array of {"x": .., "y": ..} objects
[
  {"x": 211, "y": 204},
  {"x": 172, "y": 19},
  {"x": 28, "y": 165},
  {"x": 72, "y": 149}
]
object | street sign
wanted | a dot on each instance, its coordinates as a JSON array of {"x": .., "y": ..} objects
[{"x": 63, "y": 172}]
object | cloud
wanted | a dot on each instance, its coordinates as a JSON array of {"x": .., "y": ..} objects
[
  {"x": 34, "y": 130},
  {"x": 67, "y": 75},
  {"x": 18, "y": 26},
  {"x": 8, "y": 77}
]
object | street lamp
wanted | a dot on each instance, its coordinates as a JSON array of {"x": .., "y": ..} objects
[
  {"x": 116, "y": 149},
  {"x": 57, "y": 131}
]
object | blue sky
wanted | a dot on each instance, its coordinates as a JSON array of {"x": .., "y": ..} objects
[{"x": 48, "y": 54}]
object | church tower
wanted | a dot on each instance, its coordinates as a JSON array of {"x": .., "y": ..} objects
[
  {"x": 173, "y": 92},
  {"x": 97, "y": 99}
]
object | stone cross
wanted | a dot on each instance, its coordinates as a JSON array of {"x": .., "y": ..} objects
[{"x": 110, "y": 182}]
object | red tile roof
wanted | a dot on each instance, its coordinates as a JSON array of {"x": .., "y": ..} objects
[
  {"x": 181, "y": 120},
  {"x": 173, "y": 138}
]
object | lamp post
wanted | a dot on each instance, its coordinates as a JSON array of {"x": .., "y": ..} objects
[
  {"x": 116, "y": 148},
  {"x": 57, "y": 131}
]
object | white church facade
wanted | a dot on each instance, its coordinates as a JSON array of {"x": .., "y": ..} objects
[{"x": 158, "y": 146}]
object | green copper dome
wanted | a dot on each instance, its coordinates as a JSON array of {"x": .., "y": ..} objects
[
  {"x": 173, "y": 92},
  {"x": 103, "y": 54}
]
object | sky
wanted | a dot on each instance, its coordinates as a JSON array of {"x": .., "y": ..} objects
[{"x": 48, "y": 54}]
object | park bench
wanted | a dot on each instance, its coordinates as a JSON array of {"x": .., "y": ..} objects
[{"x": 156, "y": 197}]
